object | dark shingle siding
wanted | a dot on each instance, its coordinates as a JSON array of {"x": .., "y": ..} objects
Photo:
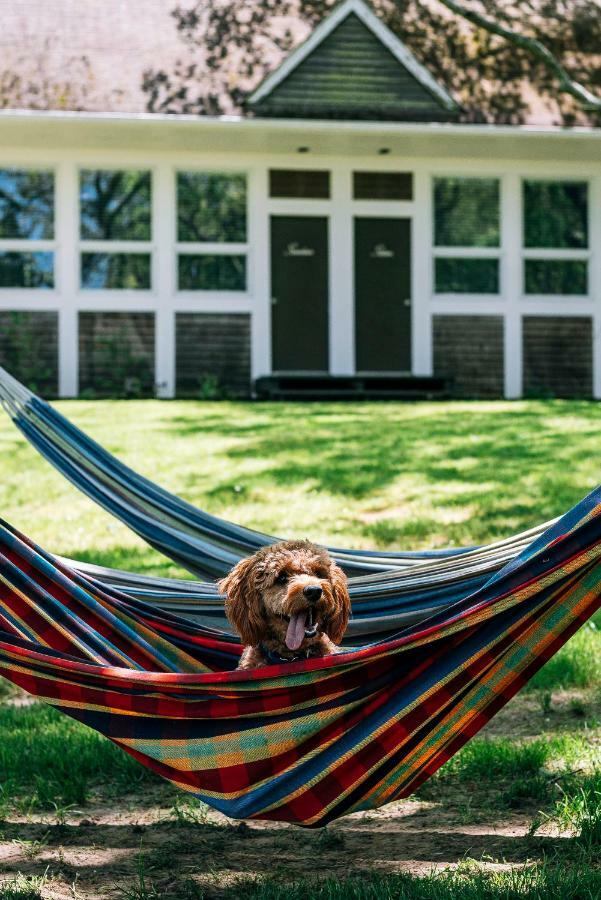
[
  {"x": 351, "y": 75},
  {"x": 116, "y": 354},
  {"x": 212, "y": 354},
  {"x": 468, "y": 350},
  {"x": 557, "y": 356},
  {"x": 29, "y": 349}
]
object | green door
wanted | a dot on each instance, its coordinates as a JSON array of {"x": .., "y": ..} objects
[
  {"x": 382, "y": 295},
  {"x": 299, "y": 293}
]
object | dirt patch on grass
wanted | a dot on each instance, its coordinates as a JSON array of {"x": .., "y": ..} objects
[{"x": 158, "y": 843}]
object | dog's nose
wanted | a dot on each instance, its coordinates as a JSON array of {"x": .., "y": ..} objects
[{"x": 312, "y": 592}]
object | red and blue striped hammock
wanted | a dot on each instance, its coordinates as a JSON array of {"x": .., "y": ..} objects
[{"x": 309, "y": 741}]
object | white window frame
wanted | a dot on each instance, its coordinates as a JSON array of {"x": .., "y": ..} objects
[
  {"x": 112, "y": 247},
  {"x": 466, "y": 252},
  {"x": 549, "y": 253},
  {"x": 210, "y": 248},
  {"x": 27, "y": 245}
]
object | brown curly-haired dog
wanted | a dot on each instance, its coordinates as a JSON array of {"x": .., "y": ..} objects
[{"x": 287, "y": 602}]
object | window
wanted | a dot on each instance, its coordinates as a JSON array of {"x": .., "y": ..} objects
[
  {"x": 303, "y": 184},
  {"x": 26, "y": 215},
  {"x": 115, "y": 224},
  {"x": 211, "y": 231},
  {"x": 555, "y": 237},
  {"x": 466, "y": 235},
  {"x": 382, "y": 186},
  {"x": 211, "y": 207},
  {"x": 211, "y": 273}
]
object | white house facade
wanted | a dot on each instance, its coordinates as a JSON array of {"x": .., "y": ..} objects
[{"x": 189, "y": 256}]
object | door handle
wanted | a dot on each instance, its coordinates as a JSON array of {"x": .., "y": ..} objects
[
  {"x": 407, "y": 301},
  {"x": 274, "y": 301}
]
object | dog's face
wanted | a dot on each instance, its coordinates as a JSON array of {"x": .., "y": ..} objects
[{"x": 291, "y": 592}]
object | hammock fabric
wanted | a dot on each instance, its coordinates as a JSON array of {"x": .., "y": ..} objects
[
  {"x": 411, "y": 587},
  {"x": 305, "y": 742},
  {"x": 201, "y": 543}
]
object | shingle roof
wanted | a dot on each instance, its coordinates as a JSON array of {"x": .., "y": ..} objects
[
  {"x": 85, "y": 54},
  {"x": 352, "y": 67}
]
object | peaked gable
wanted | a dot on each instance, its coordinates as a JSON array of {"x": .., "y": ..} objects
[{"x": 352, "y": 67}]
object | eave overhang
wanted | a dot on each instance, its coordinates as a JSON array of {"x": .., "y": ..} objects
[{"x": 144, "y": 132}]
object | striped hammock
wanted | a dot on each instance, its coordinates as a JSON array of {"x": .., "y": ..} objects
[
  {"x": 309, "y": 741},
  {"x": 199, "y": 542},
  {"x": 388, "y": 592}
]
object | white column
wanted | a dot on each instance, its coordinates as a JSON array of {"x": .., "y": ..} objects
[
  {"x": 421, "y": 276},
  {"x": 67, "y": 275},
  {"x": 342, "y": 288},
  {"x": 259, "y": 272},
  {"x": 164, "y": 266},
  {"x": 595, "y": 277},
  {"x": 511, "y": 280}
]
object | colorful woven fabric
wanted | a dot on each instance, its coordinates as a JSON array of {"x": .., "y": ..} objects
[
  {"x": 204, "y": 544},
  {"x": 305, "y": 742}
]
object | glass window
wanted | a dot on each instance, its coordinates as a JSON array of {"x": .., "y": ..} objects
[
  {"x": 26, "y": 205},
  {"x": 301, "y": 183},
  {"x": 115, "y": 271},
  {"x": 211, "y": 207},
  {"x": 382, "y": 186},
  {"x": 555, "y": 214},
  {"x": 466, "y": 212},
  {"x": 26, "y": 270},
  {"x": 115, "y": 205},
  {"x": 211, "y": 273},
  {"x": 466, "y": 276},
  {"x": 555, "y": 276}
]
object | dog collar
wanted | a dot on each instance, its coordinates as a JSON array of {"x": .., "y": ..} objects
[{"x": 275, "y": 659}]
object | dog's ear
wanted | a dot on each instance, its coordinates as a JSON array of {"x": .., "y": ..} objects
[
  {"x": 337, "y": 620},
  {"x": 243, "y": 601}
]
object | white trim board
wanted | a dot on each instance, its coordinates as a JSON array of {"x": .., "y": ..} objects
[{"x": 386, "y": 37}]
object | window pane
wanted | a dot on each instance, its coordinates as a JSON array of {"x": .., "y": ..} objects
[
  {"x": 305, "y": 183},
  {"x": 26, "y": 204},
  {"x": 382, "y": 185},
  {"x": 467, "y": 276},
  {"x": 466, "y": 212},
  {"x": 555, "y": 276},
  {"x": 555, "y": 214},
  {"x": 211, "y": 207},
  {"x": 211, "y": 273},
  {"x": 110, "y": 271},
  {"x": 115, "y": 206},
  {"x": 26, "y": 270}
]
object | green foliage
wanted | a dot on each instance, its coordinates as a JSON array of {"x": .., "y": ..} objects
[
  {"x": 25, "y": 354},
  {"x": 48, "y": 760},
  {"x": 22, "y": 888},
  {"x": 496, "y": 759},
  {"x": 469, "y": 882}
]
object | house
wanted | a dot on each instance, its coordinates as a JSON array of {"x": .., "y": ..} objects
[{"x": 346, "y": 221}]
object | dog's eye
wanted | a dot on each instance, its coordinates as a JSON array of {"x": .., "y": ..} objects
[{"x": 282, "y": 578}]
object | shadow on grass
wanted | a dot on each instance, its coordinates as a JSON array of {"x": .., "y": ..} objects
[{"x": 517, "y": 462}]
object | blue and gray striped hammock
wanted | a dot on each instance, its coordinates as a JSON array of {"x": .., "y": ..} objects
[{"x": 388, "y": 590}]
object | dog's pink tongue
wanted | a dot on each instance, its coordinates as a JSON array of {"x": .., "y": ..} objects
[{"x": 296, "y": 630}]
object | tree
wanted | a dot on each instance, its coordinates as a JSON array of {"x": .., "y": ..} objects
[
  {"x": 489, "y": 55},
  {"x": 29, "y": 83}
]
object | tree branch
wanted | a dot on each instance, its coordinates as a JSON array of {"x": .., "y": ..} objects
[{"x": 535, "y": 48}]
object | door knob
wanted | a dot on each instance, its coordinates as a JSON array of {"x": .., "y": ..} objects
[
  {"x": 274, "y": 300},
  {"x": 407, "y": 302}
]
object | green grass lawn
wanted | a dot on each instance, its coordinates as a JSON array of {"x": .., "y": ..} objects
[
  {"x": 365, "y": 475},
  {"x": 370, "y": 475}
]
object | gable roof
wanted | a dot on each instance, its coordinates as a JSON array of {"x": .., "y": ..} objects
[{"x": 352, "y": 66}]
